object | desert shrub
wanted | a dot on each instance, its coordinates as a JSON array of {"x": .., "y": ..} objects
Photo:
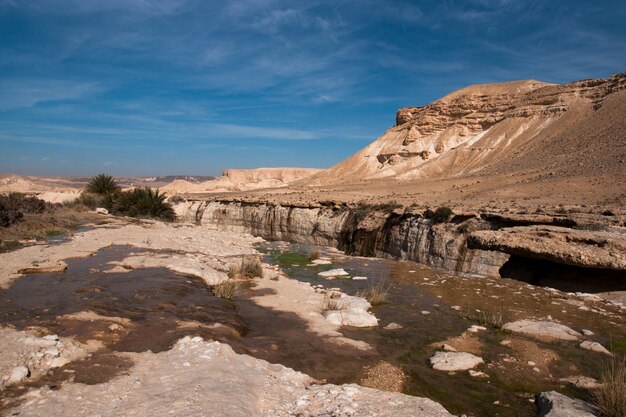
[
  {"x": 141, "y": 202},
  {"x": 24, "y": 203},
  {"x": 102, "y": 184},
  {"x": 610, "y": 396},
  {"x": 14, "y": 205},
  {"x": 86, "y": 200},
  {"x": 176, "y": 199},
  {"x": 376, "y": 293},
  {"x": 250, "y": 266},
  {"x": 8, "y": 214},
  {"x": 227, "y": 289},
  {"x": 491, "y": 317},
  {"x": 329, "y": 303}
]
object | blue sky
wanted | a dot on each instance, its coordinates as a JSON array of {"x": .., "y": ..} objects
[{"x": 147, "y": 87}]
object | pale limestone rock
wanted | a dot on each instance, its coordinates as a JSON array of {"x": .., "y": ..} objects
[
  {"x": 553, "y": 404},
  {"x": 594, "y": 347},
  {"x": 454, "y": 361},
  {"x": 333, "y": 273},
  {"x": 101, "y": 210},
  {"x": 18, "y": 374},
  {"x": 543, "y": 329}
]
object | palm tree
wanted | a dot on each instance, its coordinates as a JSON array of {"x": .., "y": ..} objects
[{"x": 102, "y": 184}]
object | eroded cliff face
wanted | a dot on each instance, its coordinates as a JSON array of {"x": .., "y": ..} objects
[
  {"x": 477, "y": 127},
  {"x": 373, "y": 233},
  {"x": 528, "y": 247}
]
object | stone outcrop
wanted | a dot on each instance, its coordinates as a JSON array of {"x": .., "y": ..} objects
[
  {"x": 208, "y": 378},
  {"x": 242, "y": 180},
  {"x": 370, "y": 233},
  {"x": 472, "y": 129},
  {"x": 553, "y": 404},
  {"x": 472, "y": 244},
  {"x": 543, "y": 330},
  {"x": 598, "y": 249}
]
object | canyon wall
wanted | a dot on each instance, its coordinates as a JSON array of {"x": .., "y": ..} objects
[{"x": 358, "y": 231}]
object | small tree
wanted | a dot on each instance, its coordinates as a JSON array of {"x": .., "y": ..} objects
[{"x": 102, "y": 184}]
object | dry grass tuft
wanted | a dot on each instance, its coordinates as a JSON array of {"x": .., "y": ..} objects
[
  {"x": 329, "y": 303},
  {"x": 610, "y": 397},
  {"x": 250, "y": 267},
  {"x": 227, "y": 289},
  {"x": 492, "y": 317},
  {"x": 376, "y": 293}
]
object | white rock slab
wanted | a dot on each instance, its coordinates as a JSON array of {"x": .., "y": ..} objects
[
  {"x": 454, "y": 361},
  {"x": 333, "y": 273},
  {"x": 553, "y": 404},
  {"x": 594, "y": 347},
  {"x": 543, "y": 329}
]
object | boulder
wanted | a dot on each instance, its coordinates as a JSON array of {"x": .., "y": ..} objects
[
  {"x": 543, "y": 329},
  {"x": 333, "y": 273},
  {"x": 594, "y": 347},
  {"x": 454, "y": 361},
  {"x": 553, "y": 404},
  {"x": 18, "y": 374},
  {"x": 101, "y": 210}
]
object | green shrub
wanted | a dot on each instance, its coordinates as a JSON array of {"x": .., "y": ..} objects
[
  {"x": 102, "y": 184},
  {"x": 141, "y": 202}
]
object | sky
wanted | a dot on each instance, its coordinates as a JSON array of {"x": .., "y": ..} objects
[{"x": 175, "y": 87}]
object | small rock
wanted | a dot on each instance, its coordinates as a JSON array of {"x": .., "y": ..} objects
[
  {"x": 321, "y": 262},
  {"x": 475, "y": 329},
  {"x": 359, "y": 278},
  {"x": 51, "y": 337},
  {"x": 594, "y": 347},
  {"x": 333, "y": 273},
  {"x": 478, "y": 374},
  {"x": 392, "y": 326},
  {"x": 448, "y": 348},
  {"x": 587, "y": 332},
  {"x": 101, "y": 210},
  {"x": 425, "y": 313},
  {"x": 454, "y": 361},
  {"x": 18, "y": 374}
]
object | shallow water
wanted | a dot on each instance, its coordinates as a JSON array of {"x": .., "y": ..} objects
[
  {"x": 414, "y": 289},
  {"x": 161, "y": 306}
]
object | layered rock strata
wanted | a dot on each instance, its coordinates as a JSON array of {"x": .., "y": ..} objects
[{"x": 471, "y": 244}]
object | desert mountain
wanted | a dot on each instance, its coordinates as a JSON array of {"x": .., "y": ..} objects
[
  {"x": 519, "y": 126},
  {"x": 242, "y": 180}
]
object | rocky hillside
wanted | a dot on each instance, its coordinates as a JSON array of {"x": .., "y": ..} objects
[
  {"x": 243, "y": 180},
  {"x": 520, "y": 126}
]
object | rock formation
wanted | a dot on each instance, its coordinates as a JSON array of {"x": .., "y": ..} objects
[
  {"x": 242, "y": 180},
  {"x": 496, "y": 128}
]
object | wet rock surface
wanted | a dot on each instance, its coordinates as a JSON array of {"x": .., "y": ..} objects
[{"x": 553, "y": 404}]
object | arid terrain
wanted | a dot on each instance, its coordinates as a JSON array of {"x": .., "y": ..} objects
[{"x": 470, "y": 261}]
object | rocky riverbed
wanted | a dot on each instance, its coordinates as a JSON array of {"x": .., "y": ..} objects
[{"x": 123, "y": 319}]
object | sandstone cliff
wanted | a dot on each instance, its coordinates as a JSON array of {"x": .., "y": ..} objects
[
  {"x": 498, "y": 128},
  {"x": 242, "y": 180}
]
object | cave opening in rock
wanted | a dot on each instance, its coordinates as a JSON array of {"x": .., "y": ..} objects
[{"x": 563, "y": 277}]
